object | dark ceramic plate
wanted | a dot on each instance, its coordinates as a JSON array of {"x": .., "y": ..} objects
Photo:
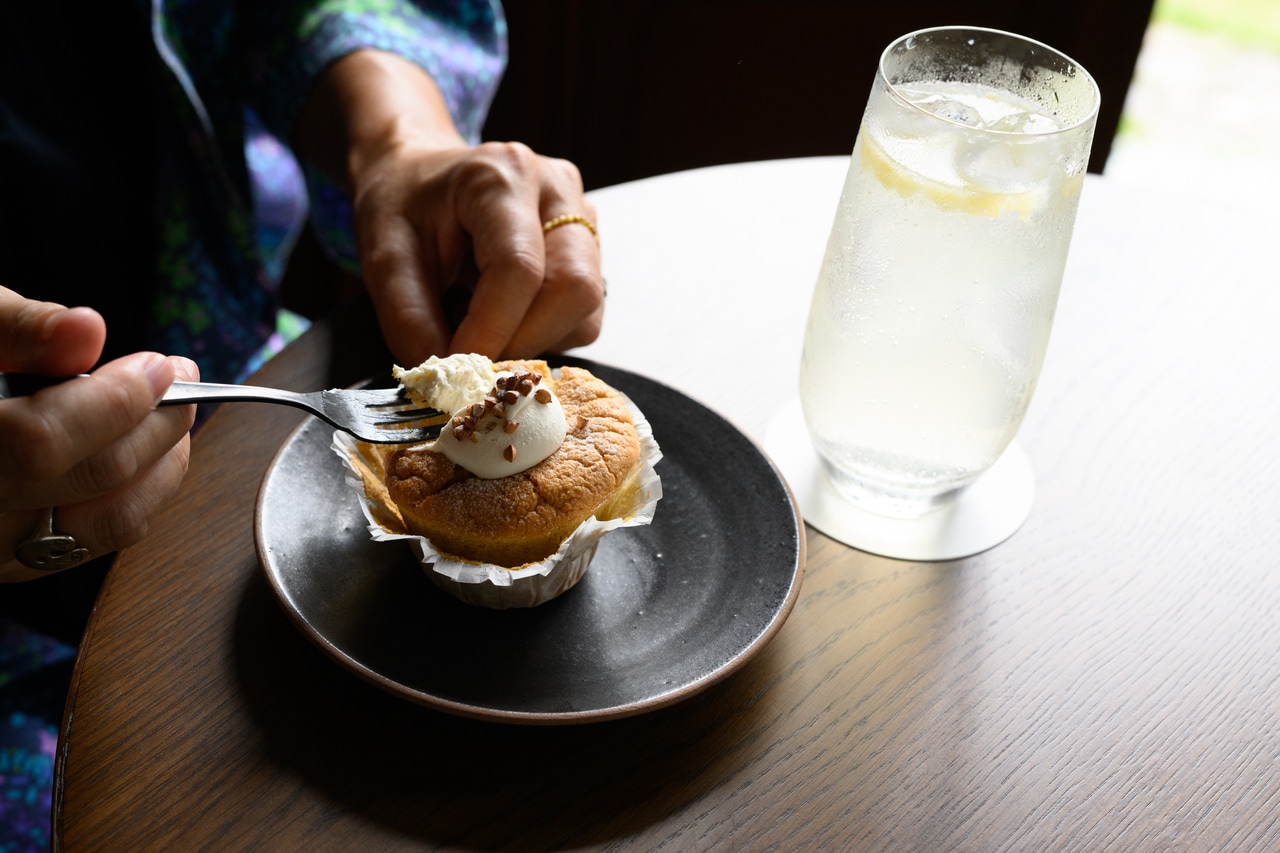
[{"x": 664, "y": 611}]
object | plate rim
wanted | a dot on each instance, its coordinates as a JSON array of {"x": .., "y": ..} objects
[{"x": 478, "y": 712}]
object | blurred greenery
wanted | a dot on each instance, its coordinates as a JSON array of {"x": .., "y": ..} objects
[{"x": 1255, "y": 23}]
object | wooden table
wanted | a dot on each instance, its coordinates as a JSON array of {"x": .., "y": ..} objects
[{"x": 1108, "y": 678}]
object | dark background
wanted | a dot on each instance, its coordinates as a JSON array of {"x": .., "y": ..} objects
[{"x": 632, "y": 88}]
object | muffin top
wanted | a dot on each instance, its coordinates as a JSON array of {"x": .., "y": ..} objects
[{"x": 524, "y": 515}]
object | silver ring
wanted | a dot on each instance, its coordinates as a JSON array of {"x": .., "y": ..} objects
[{"x": 47, "y": 551}]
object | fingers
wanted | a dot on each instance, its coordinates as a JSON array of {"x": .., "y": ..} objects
[
  {"x": 53, "y": 435},
  {"x": 121, "y": 518},
  {"x": 499, "y": 202},
  {"x": 98, "y": 450},
  {"x": 405, "y": 296},
  {"x": 88, "y": 437},
  {"x": 538, "y": 291},
  {"x": 569, "y": 308},
  {"x": 421, "y": 214},
  {"x": 105, "y": 524},
  {"x": 47, "y": 338}
]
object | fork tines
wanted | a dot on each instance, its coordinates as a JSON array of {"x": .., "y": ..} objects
[
  {"x": 394, "y": 409},
  {"x": 375, "y": 398}
]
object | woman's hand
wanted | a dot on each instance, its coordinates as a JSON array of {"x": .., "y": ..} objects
[
  {"x": 97, "y": 449},
  {"x": 436, "y": 219}
]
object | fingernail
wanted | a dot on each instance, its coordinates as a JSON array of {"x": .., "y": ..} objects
[
  {"x": 185, "y": 369},
  {"x": 160, "y": 375}
]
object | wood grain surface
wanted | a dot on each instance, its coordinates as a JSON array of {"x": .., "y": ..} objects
[{"x": 1107, "y": 679}]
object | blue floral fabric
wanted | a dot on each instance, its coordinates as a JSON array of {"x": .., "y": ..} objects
[
  {"x": 238, "y": 78},
  {"x": 230, "y": 200},
  {"x": 34, "y": 674}
]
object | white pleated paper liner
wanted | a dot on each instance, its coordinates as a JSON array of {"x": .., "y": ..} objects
[{"x": 485, "y": 584}]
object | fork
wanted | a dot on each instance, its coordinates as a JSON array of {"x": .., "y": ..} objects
[{"x": 378, "y": 416}]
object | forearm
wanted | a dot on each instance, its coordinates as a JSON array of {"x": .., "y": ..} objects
[{"x": 366, "y": 104}]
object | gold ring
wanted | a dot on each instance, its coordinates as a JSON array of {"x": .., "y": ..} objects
[{"x": 570, "y": 219}]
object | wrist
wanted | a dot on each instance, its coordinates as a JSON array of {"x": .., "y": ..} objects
[{"x": 370, "y": 104}]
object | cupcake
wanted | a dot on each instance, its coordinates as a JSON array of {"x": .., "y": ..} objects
[{"x": 507, "y": 505}]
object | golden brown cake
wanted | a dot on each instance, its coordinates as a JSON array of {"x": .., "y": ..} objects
[{"x": 524, "y": 517}]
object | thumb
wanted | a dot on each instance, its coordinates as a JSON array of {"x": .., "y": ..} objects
[{"x": 47, "y": 338}]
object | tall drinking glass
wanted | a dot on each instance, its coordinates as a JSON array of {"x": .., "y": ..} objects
[{"x": 932, "y": 309}]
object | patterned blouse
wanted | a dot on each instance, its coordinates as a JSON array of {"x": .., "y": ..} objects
[
  {"x": 230, "y": 200},
  {"x": 230, "y": 195}
]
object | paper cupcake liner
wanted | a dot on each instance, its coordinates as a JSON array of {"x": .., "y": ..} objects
[{"x": 486, "y": 584}]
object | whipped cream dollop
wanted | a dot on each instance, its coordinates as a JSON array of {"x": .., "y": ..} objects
[
  {"x": 448, "y": 384},
  {"x": 504, "y": 422}
]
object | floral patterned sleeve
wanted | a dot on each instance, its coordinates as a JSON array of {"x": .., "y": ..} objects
[{"x": 462, "y": 44}]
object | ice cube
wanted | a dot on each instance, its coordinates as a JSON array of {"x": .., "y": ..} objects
[
  {"x": 944, "y": 107},
  {"x": 1025, "y": 121},
  {"x": 1007, "y": 165}
]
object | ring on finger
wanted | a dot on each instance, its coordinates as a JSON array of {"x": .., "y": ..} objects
[
  {"x": 570, "y": 219},
  {"x": 48, "y": 551}
]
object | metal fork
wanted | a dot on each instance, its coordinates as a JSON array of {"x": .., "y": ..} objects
[{"x": 378, "y": 416}]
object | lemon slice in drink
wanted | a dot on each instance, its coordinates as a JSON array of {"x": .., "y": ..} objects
[{"x": 965, "y": 198}]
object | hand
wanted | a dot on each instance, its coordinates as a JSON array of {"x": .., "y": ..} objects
[
  {"x": 97, "y": 449},
  {"x": 419, "y": 212},
  {"x": 435, "y": 217}
]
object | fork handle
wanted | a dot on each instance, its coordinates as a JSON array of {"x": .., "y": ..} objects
[
  {"x": 26, "y": 384},
  {"x": 179, "y": 393}
]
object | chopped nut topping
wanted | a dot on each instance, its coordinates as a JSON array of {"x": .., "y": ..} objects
[
  {"x": 507, "y": 391},
  {"x": 581, "y": 422}
]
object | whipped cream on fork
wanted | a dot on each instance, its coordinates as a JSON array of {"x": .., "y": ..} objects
[{"x": 504, "y": 422}]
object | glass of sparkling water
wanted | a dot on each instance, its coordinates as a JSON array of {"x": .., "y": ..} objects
[{"x": 933, "y": 306}]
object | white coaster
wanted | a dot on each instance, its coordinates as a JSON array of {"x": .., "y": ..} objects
[{"x": 981, "y": 517}]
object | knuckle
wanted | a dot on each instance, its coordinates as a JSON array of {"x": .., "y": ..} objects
[
  {"x": 578, "y": 280},
  {"x": 569, "y": 174},
  {"x": 512, "y": 153},
  {"x": 496, "y": 166},
  {"x": 377, "y": 260},
  {"x": 125, "y": 523},
  {"x": 34, "y": 446},
  {"x": 523, "y": 267},
  {"x": 586, "y": 333},
  {"x": 127, "y": 518},
  {"x": 107, "y": 470}
]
